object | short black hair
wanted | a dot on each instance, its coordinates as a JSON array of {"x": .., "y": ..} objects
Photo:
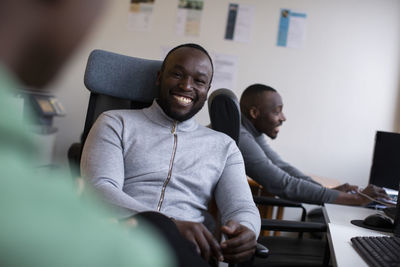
[
  {"x": 191, "y": 45},
  {"x": 251, "y": 93}
]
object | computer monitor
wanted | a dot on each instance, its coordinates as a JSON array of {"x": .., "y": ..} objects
[{"x": 385, "y": 169}]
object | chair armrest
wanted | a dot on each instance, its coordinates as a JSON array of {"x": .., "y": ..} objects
[
  {"x": 292, "y": 226},
  {"x": 262, "y": 200},
  {"x": 261, "y": 251},
  {"x": 74, "y": 158}
]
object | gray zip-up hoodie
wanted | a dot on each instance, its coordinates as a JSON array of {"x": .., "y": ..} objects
[{"x": 142, "y": 160}]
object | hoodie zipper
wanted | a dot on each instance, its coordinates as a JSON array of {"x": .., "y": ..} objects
[{"x": 171, "y": 164}]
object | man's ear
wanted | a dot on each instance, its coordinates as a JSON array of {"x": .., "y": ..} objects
[{"x": 254, "y": 112}]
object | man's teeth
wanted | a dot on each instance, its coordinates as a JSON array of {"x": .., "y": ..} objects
[{"x": 183, "y": 99}]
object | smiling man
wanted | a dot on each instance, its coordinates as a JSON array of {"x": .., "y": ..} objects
[
  {"x": 262, "y": 113},
  {"x": 159, "y": 159}
]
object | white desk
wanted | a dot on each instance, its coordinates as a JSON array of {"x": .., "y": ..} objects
[
  {"x": 341, "y": 214},
  {"x": 340, "y": 231}
]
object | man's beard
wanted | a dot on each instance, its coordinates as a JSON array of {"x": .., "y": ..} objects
[{"x": 175, "y": 115}]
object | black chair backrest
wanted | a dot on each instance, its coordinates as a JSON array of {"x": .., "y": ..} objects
[
  {"x": 224, "y": 111},
  {"x": 118, "y": 82}
]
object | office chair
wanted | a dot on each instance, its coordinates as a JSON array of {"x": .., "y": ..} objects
[
  {"x": 225, "y": 116},
  {"x": 115, "y": 82},
  {"x": 118, "y": 82}
]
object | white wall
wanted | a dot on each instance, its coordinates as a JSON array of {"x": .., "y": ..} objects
[{"x": 340, "y": 88}]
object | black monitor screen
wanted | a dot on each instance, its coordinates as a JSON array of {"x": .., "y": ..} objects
[{"x": 385, "y": 170}]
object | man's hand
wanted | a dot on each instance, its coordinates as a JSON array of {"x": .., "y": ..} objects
[
  {"x": 372, "y": 191},
  {"x": 347, "y": 188},
  {"x": 240, "y": 244},
  {"x": 375, "y": 192},
  {"x": 205, "y": 243}
]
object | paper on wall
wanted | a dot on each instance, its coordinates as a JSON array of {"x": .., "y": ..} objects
[
  {"x": 188, "y": 17},
  {"x": 291, "y": 29},
  {"x": 225, "y": 71},
  {"x": 140, "y": 15},
  {"x": 239, "y": 23}
]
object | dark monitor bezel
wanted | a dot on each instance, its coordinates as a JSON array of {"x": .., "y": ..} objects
[{"x": 374, "y": 179}]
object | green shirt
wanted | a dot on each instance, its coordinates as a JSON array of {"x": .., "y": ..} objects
[{"x": 44, "y": 223}]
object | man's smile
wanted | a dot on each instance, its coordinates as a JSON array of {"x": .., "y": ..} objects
[
  {"x": 277, "y": 127},
  {"x": 183, "y": 99}
]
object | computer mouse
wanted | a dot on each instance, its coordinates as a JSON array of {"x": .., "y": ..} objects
[{"x": 378, "y": 220}]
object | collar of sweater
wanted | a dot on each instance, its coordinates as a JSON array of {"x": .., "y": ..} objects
[
  {"x": 157, "y": 115},
  {"x": 249, "y": 126}
]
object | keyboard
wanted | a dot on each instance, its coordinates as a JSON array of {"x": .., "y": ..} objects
[{"x": 378, "y": 251}]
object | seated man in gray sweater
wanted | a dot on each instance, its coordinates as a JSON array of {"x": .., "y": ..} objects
[
  {"x": 159, "y": 159},
  {"x": 261, "y": 108}
]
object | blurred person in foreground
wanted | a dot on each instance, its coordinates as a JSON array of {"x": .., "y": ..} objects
[{"x": 43, "y": 222}]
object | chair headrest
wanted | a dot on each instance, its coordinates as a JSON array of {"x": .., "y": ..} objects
[
  {"x": 122, "y": 76},
  {"x": 224, "y": 111},
  {"x": 223, "y": 93}
]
